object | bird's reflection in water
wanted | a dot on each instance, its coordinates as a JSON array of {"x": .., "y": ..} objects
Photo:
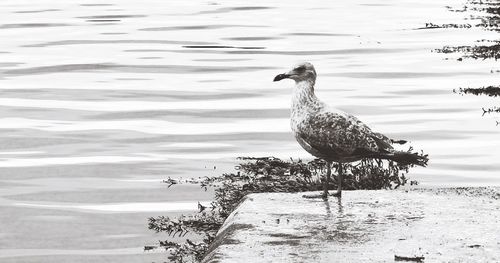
[
  {"x": 343, "y": 227},
  {"x": 340, "y": 208}
]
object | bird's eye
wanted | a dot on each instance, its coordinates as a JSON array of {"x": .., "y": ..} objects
[{"x": 300, "y": 69}]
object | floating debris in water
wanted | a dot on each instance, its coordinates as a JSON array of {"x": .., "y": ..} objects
[
  {"x": 475, "y": 52},
  {"x": 148, "y": 248},
  {"x": 488, "y": 14},
  {"x": 492, "y": 91},
  {"x": 474, "y": 246},
  {"x": 490, "y": 110},
  {"x": 433, "y": 26}
]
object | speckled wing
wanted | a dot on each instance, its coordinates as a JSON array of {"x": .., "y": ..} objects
[{"x": 339, "y": 137}]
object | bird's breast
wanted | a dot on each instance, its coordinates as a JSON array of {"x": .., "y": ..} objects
[{"x": 298, "y": 118}]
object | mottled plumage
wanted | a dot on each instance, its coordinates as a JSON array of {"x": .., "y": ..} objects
[
  {"x": 328, "y": 133},
  {"x": 334, "y": 135}
]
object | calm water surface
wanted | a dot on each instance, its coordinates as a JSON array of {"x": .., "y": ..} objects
[{"x": 101, "y": 100}]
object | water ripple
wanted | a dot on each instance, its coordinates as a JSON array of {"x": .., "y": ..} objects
[
  {"x": 197, "y": 27},
  {"x": 404, "y": 75},
  {"x": 96, "y": 4},
  {"x": 215, "y": 46},
  {"x": 118, "y": 41},
  {"x": 111, "y": 16},
  {"x": 319, "y": 34},
  {"x": 36, "y": 11},
  {"x": 234, "y": 114},
  {"x": 161, "y": 69},
  {"x": 251, "y": 38},
  {"x": 232, "y": 9},
  {"x": 149, "y": 126},
  {"x": 31, "y": 25},
  {"x": 284, "y": 52}
]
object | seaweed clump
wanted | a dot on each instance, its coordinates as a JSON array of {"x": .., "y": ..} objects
[
  {"x": 474, "y": 52},
  {"x": 492, "y": 91},
  {"x": 487, "y": 12},
  {"x": 260, "y": 175}
]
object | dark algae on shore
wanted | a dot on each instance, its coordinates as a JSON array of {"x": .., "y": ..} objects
[
  {"x": 487, "y": 15},
  {"x": 261, "y": 175}
]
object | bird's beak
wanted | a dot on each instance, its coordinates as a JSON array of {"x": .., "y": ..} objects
[{"x": 281, "y": 76}]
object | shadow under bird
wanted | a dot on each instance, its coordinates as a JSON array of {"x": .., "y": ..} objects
[{"x": 333, "y": 135}]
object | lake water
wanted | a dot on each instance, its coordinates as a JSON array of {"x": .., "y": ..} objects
[{"x": 101, "y": 100}]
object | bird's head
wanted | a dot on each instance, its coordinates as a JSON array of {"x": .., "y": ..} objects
[{"x": 301, "y": 72}]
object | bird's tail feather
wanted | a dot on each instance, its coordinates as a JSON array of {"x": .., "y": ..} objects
[{"x": 405, "y": 158}]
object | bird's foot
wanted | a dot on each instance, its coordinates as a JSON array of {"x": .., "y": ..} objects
[
  {"x": 323, "y": 195},
  {"x": 316, "y": 196},
  {"x": 337, "y": 194}
]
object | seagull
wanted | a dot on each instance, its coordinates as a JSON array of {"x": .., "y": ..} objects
[{"x": 333, "y": 135}]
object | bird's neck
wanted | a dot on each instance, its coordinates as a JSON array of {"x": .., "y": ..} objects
[{"x": 303, "y": 94}]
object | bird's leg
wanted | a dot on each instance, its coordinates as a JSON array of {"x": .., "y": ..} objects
[
  {"x": 339, "y": 182},
  {"x": 327, "y": 179},
  {"x": 323, "y": 195}
]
